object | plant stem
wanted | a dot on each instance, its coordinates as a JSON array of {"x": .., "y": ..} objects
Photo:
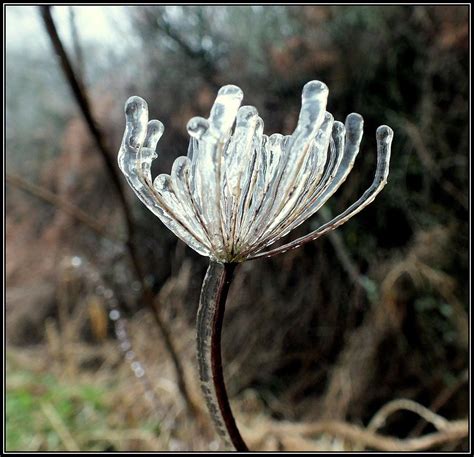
[
  {"x": 209, "y": 327},
  {"x": 81, "y": 97}
]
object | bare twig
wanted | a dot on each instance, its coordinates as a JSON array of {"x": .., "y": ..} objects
[
  {"x": 454, "y": 431},
  {"x": 444, "y": 396},
  {"x": 346, "y": 260},
  {"x": 206, "y": 66},
  {"x": 79, "y": 55},
  {"x": 379, "y": 419},
  {"x": 74, "y": 211},
  {"x": 78, "y": 91},
  {"x": 432, "y": 166},
  {"x": 80, "y": 95}
]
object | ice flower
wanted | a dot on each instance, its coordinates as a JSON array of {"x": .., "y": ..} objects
[{"x": 237, "y": 190}]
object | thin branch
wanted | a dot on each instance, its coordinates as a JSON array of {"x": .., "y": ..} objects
[
  {"x": 444, "y": 396},
  {"x": 432, "y": 166},
  {"x": 80, "y": 95},
  {"x": 180, "y": 377},
  {"x": 209, "y": 327},
  {"x": 206, "y": 64},
  {"x": 379, "y": 419},
  {"x": 74, "y": 211},
  {"x": 79, "y": 92},
  {"x": 455, "y": 431},
  {"x": 78, "y": 54},
  {"x": 346, "y": 260}
]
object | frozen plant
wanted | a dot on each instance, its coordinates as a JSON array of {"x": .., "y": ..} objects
[{"x": 238, "y": 191}]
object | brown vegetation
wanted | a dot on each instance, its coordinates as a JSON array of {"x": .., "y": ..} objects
[{"x": 315, "y": 341}]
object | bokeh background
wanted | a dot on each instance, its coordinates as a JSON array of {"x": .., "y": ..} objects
[{"x": 322, "y": 337}]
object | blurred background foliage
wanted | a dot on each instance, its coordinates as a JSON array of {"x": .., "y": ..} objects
[{"x": 335, "y": 330}]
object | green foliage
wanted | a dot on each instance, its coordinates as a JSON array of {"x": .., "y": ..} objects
[{"x": 81, "y": 408}]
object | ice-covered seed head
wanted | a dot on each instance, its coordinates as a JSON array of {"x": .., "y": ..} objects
[{"x": 238, "y": 191}]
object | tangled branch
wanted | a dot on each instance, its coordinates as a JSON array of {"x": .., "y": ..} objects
[{"x": 453, "y": 431}]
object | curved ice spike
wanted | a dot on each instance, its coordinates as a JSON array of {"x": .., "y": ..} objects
[
  {"x": 315, "y": 174},
  {"x": 312, "y": 114},
  {"x": 180, "y": 181},
  {"x": 147, "y": 152},
  {"x": 354, "y": 128},
  {"x": 384, "y": 143},
  {"x": 313, "y": 106},
  {"x": 264, "y": 162},
  {"x": 301, "y": 179},
  {"x": 136, "y": 118},
  {"x": 154, "y": 132},
  {"x": 136, "y": 114},
  {"x": 236, "y": 164},
  {"x": 276, "y": 149},
  {"x": 224, "y": 110},
  {"x": 337, "y": 151},
  {"x": 135, "y": 156},
  {"x": 248, "y": 180},
  {"x": 197, "y": 127},
  {"x": 164, "y": 187},
  {"x": 206, "y": 167}
]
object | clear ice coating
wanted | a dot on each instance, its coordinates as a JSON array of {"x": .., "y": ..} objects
[{"x": 237, "y": 191}]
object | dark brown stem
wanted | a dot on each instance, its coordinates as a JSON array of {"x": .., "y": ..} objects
[
  {"x": 76, "y": 44},
  {"x": 80, "y": 95},
  {"x": 209, "y": 327},
  {"x": 79, "y": 92}
]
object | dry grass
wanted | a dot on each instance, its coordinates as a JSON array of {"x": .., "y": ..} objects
[
  {"x": 95, "y": 378},
  {"x": 80, "y": 396}
]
